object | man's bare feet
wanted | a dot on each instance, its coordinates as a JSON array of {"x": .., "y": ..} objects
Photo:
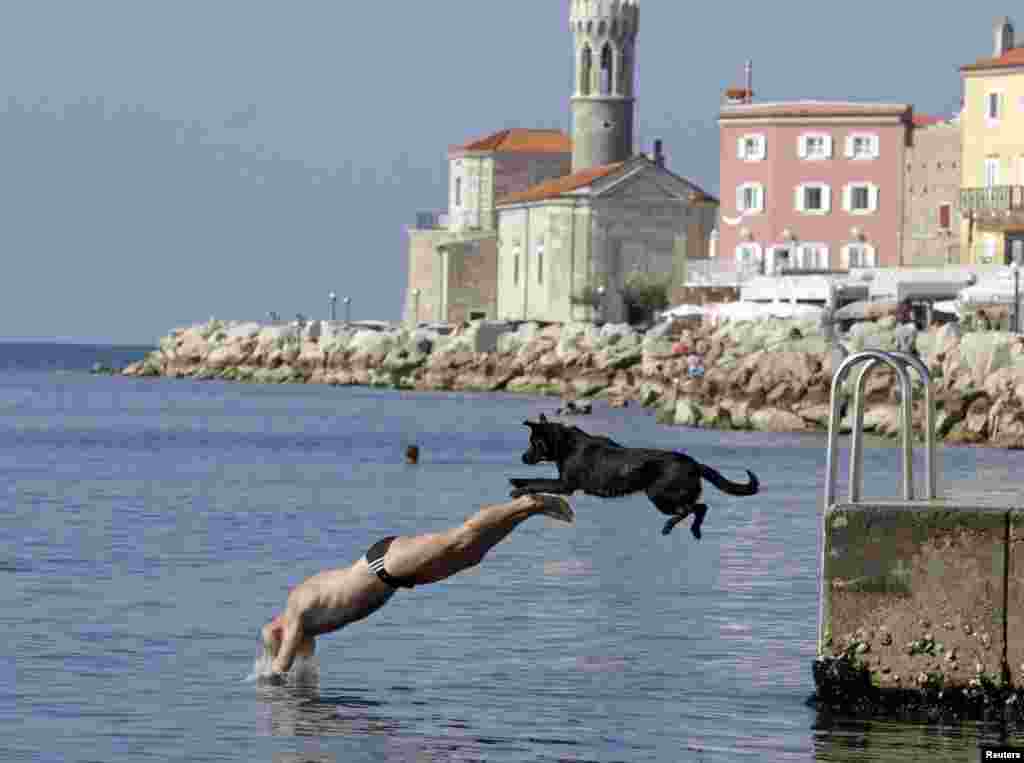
[{"x": 554, "y": 506}]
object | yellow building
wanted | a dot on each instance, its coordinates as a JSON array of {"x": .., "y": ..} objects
[{"x": 992, "y": 159}]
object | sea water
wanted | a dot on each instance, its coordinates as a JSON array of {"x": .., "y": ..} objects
[{"x": 150, "y": 528}]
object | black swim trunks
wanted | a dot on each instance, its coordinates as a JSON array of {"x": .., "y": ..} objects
[{"x": 375, "y": 558}]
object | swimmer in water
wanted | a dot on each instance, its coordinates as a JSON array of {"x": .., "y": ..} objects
[{"x": 332, "y": 599}]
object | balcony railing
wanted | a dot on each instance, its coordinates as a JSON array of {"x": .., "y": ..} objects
[
  {"x": 431, "y": 220},
  {"x": 996, "y": 198}
]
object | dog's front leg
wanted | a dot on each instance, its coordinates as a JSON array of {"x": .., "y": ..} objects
[{"x": 528, "y": 486}]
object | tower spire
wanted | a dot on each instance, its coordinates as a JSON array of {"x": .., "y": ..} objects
[{"x": 604, "y": 34}]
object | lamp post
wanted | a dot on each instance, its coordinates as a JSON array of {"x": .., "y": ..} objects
[
  {"x": 333, "y": 299},
  {"x": 415, "y": 307},
  {"x": 348, "y": 306},
  {"x": 600, "y": 303},
  {"x": 1015, "y": 267}
]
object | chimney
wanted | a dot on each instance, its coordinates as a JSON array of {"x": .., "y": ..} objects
[
  {"x": 1003, "y": 33},
  {"x": 749, "y": 68},
  {"x": 659, "y": 157}
]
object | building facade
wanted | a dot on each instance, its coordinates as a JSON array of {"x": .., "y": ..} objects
[
  {"x": 992, "y": 165},
  {"x": 931, "y": 231},
  {"x": 812, "y": 186},
  {"x": 453, "y": 256},
  {"x": 593, "y": 230}
]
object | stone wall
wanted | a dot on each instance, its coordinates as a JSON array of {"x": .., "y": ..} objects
[
  {"x": 768, "y": 374},
  {"x": 473, "y": 281}
]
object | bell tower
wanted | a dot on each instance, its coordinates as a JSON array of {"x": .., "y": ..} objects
[{"x": 604, "y": 33}]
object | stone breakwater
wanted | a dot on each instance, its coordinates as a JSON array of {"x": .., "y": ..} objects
[{"x": 769, "y": 375}]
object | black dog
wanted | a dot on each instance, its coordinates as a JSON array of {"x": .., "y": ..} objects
[{"x": 600, "y": 466}]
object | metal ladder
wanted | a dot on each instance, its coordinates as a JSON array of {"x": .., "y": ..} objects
[{"x": 899, "y": 362}]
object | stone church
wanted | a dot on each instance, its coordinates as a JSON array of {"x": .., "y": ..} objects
[{"x": 537, "y": 221}]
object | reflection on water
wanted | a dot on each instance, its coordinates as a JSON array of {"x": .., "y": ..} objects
[{"x": 845, "y": 739}]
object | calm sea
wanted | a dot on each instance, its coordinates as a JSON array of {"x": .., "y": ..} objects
[{"x": 148, "y": 528}]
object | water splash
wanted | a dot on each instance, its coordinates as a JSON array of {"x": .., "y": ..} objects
[{"x": 305, "y": 671}]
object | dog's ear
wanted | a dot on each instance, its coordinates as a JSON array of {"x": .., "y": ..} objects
[
  {"x": 543, "y": 419},
  {"x": 529, "y": 424}
]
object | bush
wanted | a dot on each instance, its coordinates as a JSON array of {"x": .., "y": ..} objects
[
  {"x": 587, "y": 297},
  {"x": 646, "y": 294}
]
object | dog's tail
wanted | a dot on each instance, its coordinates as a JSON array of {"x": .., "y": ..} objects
[{"x": 728, "y": 486}]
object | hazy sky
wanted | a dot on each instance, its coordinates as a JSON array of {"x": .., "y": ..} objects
[{"x": 163, "y": 162}]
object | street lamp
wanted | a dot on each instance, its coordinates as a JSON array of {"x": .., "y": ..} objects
[
  {"x": 348, "y": 305},
  {"x": 1015, "y": 267},
  {"x": 600, "y": 303},
  {"x": 333, "y": 299},
  {"x": 415, "y": 308}
]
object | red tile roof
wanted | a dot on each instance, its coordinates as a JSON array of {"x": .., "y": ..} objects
[
  {"x": 521, "y": 140},
  {"x": 1012, "y": 57},
  {"x": 924, "y": 120},
  {"x": 552, "y": 189}
]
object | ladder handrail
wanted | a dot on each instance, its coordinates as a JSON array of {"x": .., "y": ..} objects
[
  {"x": 899, "y": 362},
  {"x": 906, "y": 425}
]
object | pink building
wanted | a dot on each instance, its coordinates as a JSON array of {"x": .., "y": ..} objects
[{"x": 811, "y": 186}]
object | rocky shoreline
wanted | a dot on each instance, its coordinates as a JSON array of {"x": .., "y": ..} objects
[{"x": 768, "y": 375}]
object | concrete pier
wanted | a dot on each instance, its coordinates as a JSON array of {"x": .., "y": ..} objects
[
  {"x": 922, "y": 594},
  {"x": 921, "y": 601}
]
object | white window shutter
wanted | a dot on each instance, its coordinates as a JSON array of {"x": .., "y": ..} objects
[
  {"x": 739, "y": 198},
  {"x": 849, "y": 146},
  {"x": 847, "y": 197},
  {"x": 759, "y": 198},
  {"x": 824, "y": 264},
  {"x": 869, "y": 255},
  {"x": 873, "y": 197},
  {"x": 799, "y": 198},
  {"x": 874, "y": 146},
  {"x": 844, "y": 257},
  {"x": 801, "y": 147},
  {"x": 828, "y": 146},
  {"x": 762, "y": 147},
  {"x": 740, "y": 144},
  {"x": 826, "y": 199}
]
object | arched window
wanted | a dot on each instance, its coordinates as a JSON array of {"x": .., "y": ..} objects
[
  {"x": 585, "y": 67},
  {"x": 607, "y": 69},
  {"x": 624, "y": 64}
]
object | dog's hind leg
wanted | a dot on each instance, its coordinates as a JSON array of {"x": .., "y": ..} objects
[
  {"x": 675, "y": 512},
  {"x": 699, "y": 510}
]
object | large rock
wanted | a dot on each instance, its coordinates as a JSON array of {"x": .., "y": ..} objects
[
  {"x": 515, "y": 341},
  {"x": 872, "y": 335},
  {"x": 576, "y": 337},
  {"x": 230, "y": 354},
  {"x": 768, "y": 369},
  {"x": 688, "y": 413},
  {"x": 776, "y": 420},
  {"x": 191, "y": 346},
  {"x": 311, "y": 355},
  {"x": 618, "y": 334},
  {"x": 370, "y": 342},
  {"x": 241, "y": 331}
]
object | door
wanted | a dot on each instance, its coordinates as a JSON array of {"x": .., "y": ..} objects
[
  {"x": 1014, "y": 249},
  {"x": 781, "y": 260}
]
